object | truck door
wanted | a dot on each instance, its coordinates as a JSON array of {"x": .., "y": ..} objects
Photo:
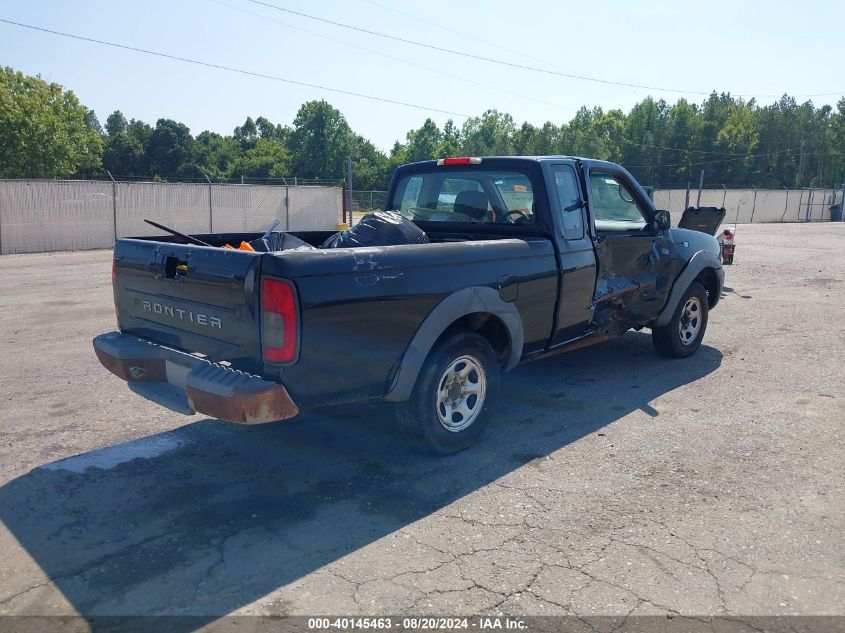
[
  {"x": 577, "y": 278},
  {"x": 633, "y": 258}
]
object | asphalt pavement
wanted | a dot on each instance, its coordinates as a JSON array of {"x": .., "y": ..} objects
[{"x": 612, "y": 482}]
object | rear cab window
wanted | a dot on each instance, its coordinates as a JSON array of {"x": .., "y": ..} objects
[{"x": 466, "y": 195}]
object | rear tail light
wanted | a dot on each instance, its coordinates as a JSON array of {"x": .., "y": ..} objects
[
  {"x": 279, "y": 321},
  {"x": 463, "y": 160}
]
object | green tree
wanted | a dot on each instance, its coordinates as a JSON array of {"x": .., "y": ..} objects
[
  {"x": 246, "y": 132},
  {"x": 271, "y": 131},
  {"x": 125, "y": 153},
  {"x": 398, "y": 154},
  {"x": 490, "y": 134},
  {"x": 216, "y": 156},
  {"x": 450, "y": 144},
  {"x": 116, "y": 123},
  {"x": 170, "y": 150},
  {"x": 682, "y": 135},
  {"x": 424, "y": 143},
  {"x": 738, "y": 136},
  {"x": 320, "y": 141},
  {"x": 124, "y": 156},
  {"x": 837, "y": 141},
  {"x": 370, "y": 167},
  {"x": 44, "y": 131},
  {"x": 644, "y": 127},
  {"x": 264, "y": 159},
  {"x": 92, "y": 122},
  {"x": 525, "y": 140}
]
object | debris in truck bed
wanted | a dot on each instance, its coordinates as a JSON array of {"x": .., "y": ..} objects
[
  {"x": 379, "y": 228},
  {"x": 279, "y": 241}
]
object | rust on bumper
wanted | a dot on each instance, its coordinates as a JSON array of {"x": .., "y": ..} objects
[
  {"x": 190, "y": 384},
  {"x": 243, "y": 407},
  {"x": 133, "y": 369}
]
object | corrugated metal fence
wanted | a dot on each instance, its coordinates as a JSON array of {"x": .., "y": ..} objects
[
  {"x": 749, "y": 205},
  {"x": 56, "y": 215}
]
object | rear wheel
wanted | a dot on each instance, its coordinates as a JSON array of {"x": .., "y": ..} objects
[
  {"x": 682, "y": 336},
  {"x": 453, "y": 399}
]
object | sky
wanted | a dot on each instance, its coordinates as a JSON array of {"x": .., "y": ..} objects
[{"x": 754, "y": 49}]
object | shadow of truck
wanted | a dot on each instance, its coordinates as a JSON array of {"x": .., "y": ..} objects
[{"x": 209, "y": 517}]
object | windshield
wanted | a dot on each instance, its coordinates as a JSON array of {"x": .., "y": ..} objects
[{"x": 471, "y": 195}]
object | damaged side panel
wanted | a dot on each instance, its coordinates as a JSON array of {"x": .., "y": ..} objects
[{"x": 634, "y": 278}]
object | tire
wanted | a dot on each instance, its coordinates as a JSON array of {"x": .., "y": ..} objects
[
  {"x": 453, "y": 399},
  {"x": 682, "y": 336}
]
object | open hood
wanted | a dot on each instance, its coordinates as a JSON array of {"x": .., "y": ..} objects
[{"x": 703, "y": 219}]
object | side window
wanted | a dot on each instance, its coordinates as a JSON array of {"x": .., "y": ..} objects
[
  {"x": 411, "y": 193},
  {"x": 613, "y": 205},
  {"x": 567, "y": 193}
]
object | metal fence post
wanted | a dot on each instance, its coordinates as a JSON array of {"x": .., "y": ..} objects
[
  {"x": 753, "y": 206},
  {"x": 842, "y": 202},
  {"x": 809, "y": 214},
  {"x": 700, "y": 187},
  {"x": 287, "y": 208},
  {"x": 785, "y": 205},
  {"x": 349, "y": 187},
  {"x": 210, "y": 208},
  {"x": 113, "y": 204}
]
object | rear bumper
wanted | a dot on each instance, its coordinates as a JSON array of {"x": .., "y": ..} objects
[{"x": 190, "y": 384}]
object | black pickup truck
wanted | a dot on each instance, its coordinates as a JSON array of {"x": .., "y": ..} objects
[{"x": 525, "y": 256}]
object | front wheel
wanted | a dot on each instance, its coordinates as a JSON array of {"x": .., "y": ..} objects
[
  {"x": 453, "y": 399},
  {"x": 682, "y": 336}
]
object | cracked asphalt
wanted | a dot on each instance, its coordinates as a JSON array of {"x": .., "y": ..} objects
[{"x": 612, "y": 482}]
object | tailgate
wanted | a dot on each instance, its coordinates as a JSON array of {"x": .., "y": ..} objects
[{"x": 194, "y": 298}]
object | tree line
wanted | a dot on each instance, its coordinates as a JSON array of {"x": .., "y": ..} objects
[{"x": 46, "y": 133}]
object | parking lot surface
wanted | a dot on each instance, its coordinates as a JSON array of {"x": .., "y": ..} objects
[{"x": 612, "y": 481}]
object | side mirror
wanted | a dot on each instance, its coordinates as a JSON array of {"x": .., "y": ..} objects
[{"x": 662, "y": 220}]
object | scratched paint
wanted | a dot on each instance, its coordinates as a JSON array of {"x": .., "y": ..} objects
[{"x": 367, "y": 281}]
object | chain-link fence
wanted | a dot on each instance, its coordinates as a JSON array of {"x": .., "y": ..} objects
[
  {"x": 53, "y": 215},
  {"x": 365, "y": 201}
]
